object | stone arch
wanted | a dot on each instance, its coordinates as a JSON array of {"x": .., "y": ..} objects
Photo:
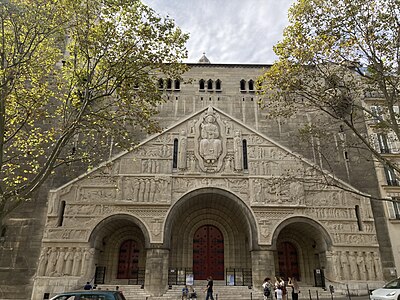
[
  {"x": 310, "y": 239},
  {"x": 219, "y": 200},
  {"x": 107, "y": 237},
  {"x": 309, "y": 225},
  {"x": 113, "y": 222}
]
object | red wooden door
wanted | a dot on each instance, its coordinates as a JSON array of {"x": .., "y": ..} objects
[
  {"x": 128, "y": 260},
  {"x": 208, "y": 253},
  {"x": 288, "y": 261}
]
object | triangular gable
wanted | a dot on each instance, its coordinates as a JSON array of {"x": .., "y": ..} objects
[{"x": 156, "y": 152}]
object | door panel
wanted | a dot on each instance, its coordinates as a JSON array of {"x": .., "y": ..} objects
[
  {"x": 208, "y": 253},
  {"x": 288, "y": 261},
  {"x": 128, "y": 261}
]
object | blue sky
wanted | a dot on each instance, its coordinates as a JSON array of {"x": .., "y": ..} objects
[{"x": 228, "y": 31}]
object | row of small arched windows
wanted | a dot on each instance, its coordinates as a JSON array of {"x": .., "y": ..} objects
[
  {"x": 210, "y": 85},
  {"x": 169, "y": 84}
]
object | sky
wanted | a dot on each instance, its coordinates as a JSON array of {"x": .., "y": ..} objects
[{"x": 228, "y": 31}]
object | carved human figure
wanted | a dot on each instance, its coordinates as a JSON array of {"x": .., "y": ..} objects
[
  {"x": 238, "y": 151},
  {"x": 361, "y": 266},
  {"x": 87, "y": 261},
  {"x": 210, "y": 144},
  {"x": 69, "y": 260},
  {"x": 257, "y": 188},
  {"x": 76, "y": 267},
  {"x": 377, "y": 265},
  {"x": 353, "y": 265},
  {"x": 335, "y": 264},
  {"x": 60, "y": 263},
  {"x": 52, "y": 255},
  {"x": 296, "y": 192},
  {"x": 369, "y": 264},
  {"x": 42, "y": 263},
  {"x": 182, "y": 157},
  {"x": 344, "y": 260}
]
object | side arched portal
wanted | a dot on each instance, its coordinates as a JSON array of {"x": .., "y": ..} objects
[
  {"x": 120, "y": 243},
  {"x": 301, "y": 245}
]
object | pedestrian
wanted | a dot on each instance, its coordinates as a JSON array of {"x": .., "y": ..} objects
[
  {"x": 185, "y": 292},
  {"x": 295, "y": 287},
  {"x": 87, "y": 286},
  {"x": 209, "y": 288},
  {"x": 267, "y": 288},
  {"x": 279, "y": 293}
]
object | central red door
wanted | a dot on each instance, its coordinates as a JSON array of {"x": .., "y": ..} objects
[
  {"x": 288, "y": 261},
  {"x": 208, "y": 253},
  {"x": 128, "y": 261}
]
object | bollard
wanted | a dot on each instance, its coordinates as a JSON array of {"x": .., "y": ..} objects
[
  {"x": 317, "y": 295},
  {"x": 251, "y": 295},
  {"x": 309, "y": 293}
]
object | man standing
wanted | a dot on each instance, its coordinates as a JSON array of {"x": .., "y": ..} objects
[
  {"x": 209, "y": 288},
  {"x": 87, "y": 286}
]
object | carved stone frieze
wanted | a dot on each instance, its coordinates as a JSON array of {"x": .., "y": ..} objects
[
  {"x": 147, "y": 189},
  {"x": 97, "y": 194},
  {"x": 184, "y": 184},
  {"x": 66, "y": 234},
  {"x": 273, "y": 191}
]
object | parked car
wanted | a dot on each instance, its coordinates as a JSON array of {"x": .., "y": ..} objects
[
  {"x": 390, "y": 291},
  {"x": 90, "y": 295}
]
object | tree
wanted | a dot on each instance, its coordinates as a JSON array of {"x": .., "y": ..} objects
[
  {"x": 339, "y": 62},
  {"x": 75, "y": 74}
]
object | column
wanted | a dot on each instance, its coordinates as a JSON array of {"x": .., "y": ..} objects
[
  {"x": 156, "y": 275},
  {"x": 262, "y": 266}
]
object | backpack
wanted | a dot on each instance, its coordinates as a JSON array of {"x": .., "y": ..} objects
[{"x": 267, "y": 291}]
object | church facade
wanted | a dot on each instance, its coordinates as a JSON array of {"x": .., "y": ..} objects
[{"x": 221, "y": 191}]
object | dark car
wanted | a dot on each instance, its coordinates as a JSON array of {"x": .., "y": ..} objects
[{"x": 90, "y": 295}]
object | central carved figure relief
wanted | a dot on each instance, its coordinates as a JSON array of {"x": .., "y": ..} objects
[{"x": 210, "y": 141}]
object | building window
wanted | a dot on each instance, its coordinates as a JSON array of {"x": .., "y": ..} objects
[
  {"x": 242, "y": 85},
  {"x": 394, "y": 208},
  {"x": 175, "y": 155},
  {"x": 160, "y": 84},
  {"x": 376, "y": 113},
  {"x": 201, "y": 85},
  {"x": 209, "y": 84},
  {"x": 358, "y": 216},
  {"x": 169, "y": 84},
  {"x": 177, "y": 86},
  {"x": 245, "y": 160},
  {"x": 390, "y": 176},
  {"x": 383, "y": 143},
  {"x": 251, "y": 85},
  {"x": 218, "y": 85},
  {"x": 61, "y": 211}
]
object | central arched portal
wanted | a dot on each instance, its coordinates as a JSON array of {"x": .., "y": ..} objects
[
  {"x": 208, "y": 253},
  {"x": 128, "y": 260},
  {"x": 210, "y": 232}
]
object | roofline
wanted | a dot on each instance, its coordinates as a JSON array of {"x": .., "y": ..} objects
[{"x": 232, "y": 65}]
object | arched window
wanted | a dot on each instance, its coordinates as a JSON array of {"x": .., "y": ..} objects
[
  {"x": 169, "y": 84},
  {"x": 209, "y": 84},
  {"x": 177, "y": 85},
  {"x": 160, "y": 84},
  {"x": 201, "y": 84},
  {"x": 175, "y": 155},
  {"x": 251, "y": 85},
  {"x": 218, "y": 85},
  {"x": 242, "y": 85}
]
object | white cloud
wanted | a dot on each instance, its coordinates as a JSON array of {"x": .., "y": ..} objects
[{"x": 229, "y": 31}]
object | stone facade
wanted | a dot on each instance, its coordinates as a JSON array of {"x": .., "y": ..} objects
[{"x": 221, "y": 165}]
